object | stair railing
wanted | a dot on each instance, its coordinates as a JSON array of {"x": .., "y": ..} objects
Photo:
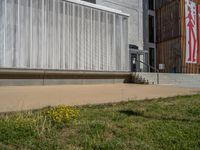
[{"x": 151, "y": 67}]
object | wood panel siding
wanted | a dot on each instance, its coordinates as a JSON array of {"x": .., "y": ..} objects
[
  {"x": 162, "y": 3},
  {"x": 171, "y": 38},
  {"x": 168, "y": 21},
  {"x": 168, "y": 53}
]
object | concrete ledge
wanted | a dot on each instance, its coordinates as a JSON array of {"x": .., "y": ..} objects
[
  {"x": 182, "y": 80},
  {"x": 53, "y": 77}
]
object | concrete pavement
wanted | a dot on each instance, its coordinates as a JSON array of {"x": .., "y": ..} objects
[{"x": 17, "y": 98}]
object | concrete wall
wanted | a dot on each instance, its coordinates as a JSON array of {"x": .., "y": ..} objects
[
  {"x": 182, "y": 80},
  {"x": 135, "y": 9},
  {"x": 14, "y": 77}
]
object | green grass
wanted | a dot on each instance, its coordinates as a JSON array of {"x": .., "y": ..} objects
[{"x": 170, "y": 124}]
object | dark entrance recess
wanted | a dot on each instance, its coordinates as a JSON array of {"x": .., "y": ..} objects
[
  {"x": 133, "y": 65},
  {"x": 151, "y": 4},
  {"x": 151, "y": 29},
  {"x": 91, "y": 1},
  {"x": 152, "y": 58},
  {"x": 137, "y": 58},
  {"x": 132, "y": 46}
]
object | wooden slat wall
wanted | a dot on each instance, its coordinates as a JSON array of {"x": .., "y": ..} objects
[
  {"x": 169, "y": 35},
  {"x": 161, "y": 3},
  {"x": 169, "y": 53},
  {"x": 167, "y": 21},
  {"x": 170, "y": 21}
]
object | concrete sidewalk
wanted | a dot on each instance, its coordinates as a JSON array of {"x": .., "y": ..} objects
[{"x": 18, "y": 98}]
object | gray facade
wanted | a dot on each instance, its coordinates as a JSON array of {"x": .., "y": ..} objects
[
  {"x": 71, "y": 35},
  {"x": 135, "y": 9},
  {"x": 141, "y": 20},
  {"x": 62, "y": 35}
]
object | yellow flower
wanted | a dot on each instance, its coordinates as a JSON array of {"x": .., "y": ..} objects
[{"x": 62, "y": 113}]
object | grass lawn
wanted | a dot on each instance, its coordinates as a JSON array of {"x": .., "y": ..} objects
[{"x": 171, "y": 123}]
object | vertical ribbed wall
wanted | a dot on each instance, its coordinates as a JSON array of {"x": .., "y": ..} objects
[{"x": 55, "y": 34}]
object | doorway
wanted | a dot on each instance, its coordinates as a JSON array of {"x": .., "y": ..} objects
[
  {"x": 152, "y": 58},
  {"x": 133, "y": 64},
  {"x": 138, "y": 58}
]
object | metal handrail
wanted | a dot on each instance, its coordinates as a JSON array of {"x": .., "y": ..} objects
[{"x": 154, "y": 68}]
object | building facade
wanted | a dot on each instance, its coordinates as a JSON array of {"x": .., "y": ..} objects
[
  {"x": 62, "y": 35},
  {"x": 100, "y": 39},
  {"x": 163, "y": 32},
  {"x": 141, "y": 29},
  {"x": 135, "y": 9},
  {"x": 172, "y": 33}
]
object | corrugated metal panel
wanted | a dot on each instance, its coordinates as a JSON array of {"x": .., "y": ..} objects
[{"x": 56, "y": 34}]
